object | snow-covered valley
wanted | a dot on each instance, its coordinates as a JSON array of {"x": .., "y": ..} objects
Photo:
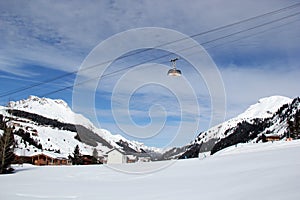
[
  {"x": 43, "y": 125},
  {"x": 248, "y": 171}
]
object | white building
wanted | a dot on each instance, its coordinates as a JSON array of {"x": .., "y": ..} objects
[{"x": 116, "y": 156}]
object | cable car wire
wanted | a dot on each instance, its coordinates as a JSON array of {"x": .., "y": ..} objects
[
  {"x": 11, "y": 92},
  {"x": 169, "y": 54}
]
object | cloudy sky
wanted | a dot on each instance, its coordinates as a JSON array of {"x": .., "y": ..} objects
[{"x": 48, "y": 46}]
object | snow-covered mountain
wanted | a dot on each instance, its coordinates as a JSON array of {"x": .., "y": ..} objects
[
  {"x": 271, "y": 115},
  {"x": 50, "y": 125},
  {"x": 43, "y": 124},
  {"x": 50, "y": 108},
  {"x": 265, "y": 107}
]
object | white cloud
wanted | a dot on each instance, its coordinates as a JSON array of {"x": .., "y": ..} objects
[
  {"x": 245, "y": 85},
  {"x": 15, "y": 66},
  {"x": 60, "y": 35}
]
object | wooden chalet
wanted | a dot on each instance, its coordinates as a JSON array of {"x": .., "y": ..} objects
[
  {"x": 270, "y": 137},
  {"x": 43, "y": 158},
  {"x": 86, "y": 159}
]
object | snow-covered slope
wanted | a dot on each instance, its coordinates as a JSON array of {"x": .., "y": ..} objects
[
  {"x": 264, "y": 117},
  {"x": 286, "y": 121},
  {"x": 50, "y": 108},
  {"x": 261, "y": 171},
  {"x": 265, "y": 107},
  {"x": 54, "y": 126},
  {"x": 43, "y": 124}
]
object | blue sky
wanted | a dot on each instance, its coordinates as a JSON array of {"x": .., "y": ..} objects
[{"x": 41, "y": 40}]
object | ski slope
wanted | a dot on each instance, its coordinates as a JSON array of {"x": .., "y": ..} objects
[{"x": 267, "y": 171}]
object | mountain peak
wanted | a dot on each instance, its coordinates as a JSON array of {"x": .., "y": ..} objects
[
  {"x": 275, "y": 98},
  {"x": 34, "y": 100},
  {"x": 44, "y": 124},
  {"x": 265, "y": 107},
  {"x": 51, "y": 108}
]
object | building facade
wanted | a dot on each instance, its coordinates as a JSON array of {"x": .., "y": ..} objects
[{"x": 115, "y": 156}]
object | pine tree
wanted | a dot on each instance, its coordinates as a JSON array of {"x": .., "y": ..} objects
[
  {"x": 76, "y": 160},
  {"x": 7, "y": 143}
]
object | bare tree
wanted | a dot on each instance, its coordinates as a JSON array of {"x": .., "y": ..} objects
[{"x": 95, "y": 156}]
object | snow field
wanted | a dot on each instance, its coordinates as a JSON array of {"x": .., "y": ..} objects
[{"x": 268, "y": 171}]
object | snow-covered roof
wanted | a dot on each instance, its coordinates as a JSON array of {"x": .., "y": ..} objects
[
  {"x": 119, "y": 150},
  {"x": 35, "y": 152},
  {"x": 49, "y": 154},
  {"x": 130, "y": 156},
  {"x": 272, "y": 135}
]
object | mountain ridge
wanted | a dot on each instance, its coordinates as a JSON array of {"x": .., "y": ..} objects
[
  {"x": 259, "y": 119},
  {"x": 43, "y": 124}
]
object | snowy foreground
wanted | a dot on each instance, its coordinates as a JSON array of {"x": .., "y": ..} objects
[{"x": 252, "y": 171}]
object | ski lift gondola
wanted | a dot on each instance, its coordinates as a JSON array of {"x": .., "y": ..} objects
[{"x": 174, "y": 71}]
